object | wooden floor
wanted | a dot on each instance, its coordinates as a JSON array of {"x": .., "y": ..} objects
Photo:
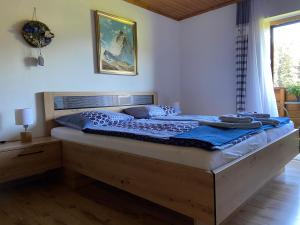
[{"x": 51, "y": 203}]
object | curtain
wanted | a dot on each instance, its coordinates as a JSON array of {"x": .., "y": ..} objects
[
  {"x": 259, "y": 82},
  {"x": 242, "y": 28}
]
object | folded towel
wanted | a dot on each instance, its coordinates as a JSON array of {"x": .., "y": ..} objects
[
  {"x": 252, "y": 125},
  {"x": 268, "y": 122},
  {"x": 235, "y": 119},
  {"x": 254, "y": 114},
  {"x": 274, "y": 121}
]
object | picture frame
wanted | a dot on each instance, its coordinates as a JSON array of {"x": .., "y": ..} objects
[{"x": 116, "y": 44}]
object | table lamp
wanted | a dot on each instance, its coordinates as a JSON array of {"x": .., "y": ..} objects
[{"x": 24, "y": 117}]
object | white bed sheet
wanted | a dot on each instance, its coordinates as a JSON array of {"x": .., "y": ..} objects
[
  {"x": 276, "y": 133},
  {"x": 189, "y": 156}
]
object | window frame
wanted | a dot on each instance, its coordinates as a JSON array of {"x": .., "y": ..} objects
[{"x": 275, "y": 24}]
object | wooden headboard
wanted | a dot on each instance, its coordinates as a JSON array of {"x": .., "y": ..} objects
[{"x": 58, "y": 104}]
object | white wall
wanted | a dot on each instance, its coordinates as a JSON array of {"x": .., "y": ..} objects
[
  {"x": 207, "y": 62},
  {"x": 70, "y": 58},
  {"x": 208, "y": 77},
  {"x": 193, "y": 60}
]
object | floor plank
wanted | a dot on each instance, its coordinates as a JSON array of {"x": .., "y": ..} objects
[{"x": 47, "y": 202}]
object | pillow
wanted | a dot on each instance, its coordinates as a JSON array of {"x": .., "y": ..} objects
[
  {"x": 146, "y": 112},
  {"x": 92, "y": 118},
  {"x": 170, "y": 110}
]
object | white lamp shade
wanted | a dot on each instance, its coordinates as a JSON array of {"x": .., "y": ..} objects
[{"x": 24, "y": 116}]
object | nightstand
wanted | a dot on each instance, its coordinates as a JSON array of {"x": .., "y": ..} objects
[{"x": 19, "y": 160}]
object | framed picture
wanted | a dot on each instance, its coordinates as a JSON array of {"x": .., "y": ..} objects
[{"x": 116, "y": 41}]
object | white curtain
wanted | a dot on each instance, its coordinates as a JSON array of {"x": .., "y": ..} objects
[{"x": 260, "y": 91}]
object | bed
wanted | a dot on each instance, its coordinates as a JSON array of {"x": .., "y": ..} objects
[{"x": 208, "y": 190}]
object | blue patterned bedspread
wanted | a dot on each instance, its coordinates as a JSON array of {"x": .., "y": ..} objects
[{"x": 183, "y": 133}]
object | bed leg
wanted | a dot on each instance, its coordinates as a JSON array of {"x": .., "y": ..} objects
[{"x": 198, "y": 222}]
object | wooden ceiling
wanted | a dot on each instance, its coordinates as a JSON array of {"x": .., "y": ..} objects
[{"x": 181, "y": 9}]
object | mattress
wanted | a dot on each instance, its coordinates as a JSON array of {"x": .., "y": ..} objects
[
  {"x": 189, "y": 156},
  {"x": 275, "y": 133}
]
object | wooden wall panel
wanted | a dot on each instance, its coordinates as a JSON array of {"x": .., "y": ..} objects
[
  {"x": 280, "y": 99},
  {"x": 293, "y": 109},
  {"x": 294, "y": 113},
  {"x": 181, "y": 9},
  {"x": 288, "y": 102}
]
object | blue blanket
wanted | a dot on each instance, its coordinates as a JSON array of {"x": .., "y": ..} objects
[
  {"x": 215, "y": 138},
  {"x": 180, "y": 132},
  {"x": 167, "y": 132}
]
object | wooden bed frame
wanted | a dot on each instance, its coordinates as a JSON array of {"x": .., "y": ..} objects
[{"x": 209, "y": 197}]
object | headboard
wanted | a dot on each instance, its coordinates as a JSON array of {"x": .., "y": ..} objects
[{"x": 58, "y": 104}]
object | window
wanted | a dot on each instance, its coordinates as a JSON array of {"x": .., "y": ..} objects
[{"x": 285, "y": 40}]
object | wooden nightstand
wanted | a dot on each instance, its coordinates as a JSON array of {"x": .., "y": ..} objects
[{"x": 19, "y": 160}]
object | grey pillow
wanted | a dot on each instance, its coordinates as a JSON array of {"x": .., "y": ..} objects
[{"x": 145, "y": 112}]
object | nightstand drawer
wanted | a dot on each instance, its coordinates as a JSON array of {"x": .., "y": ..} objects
[{"x": 29, "y": 160}]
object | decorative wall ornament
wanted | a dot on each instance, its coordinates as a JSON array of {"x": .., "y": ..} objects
[
  {"x": 37, "y": 35},
  {"x": 116, "y": 41}
]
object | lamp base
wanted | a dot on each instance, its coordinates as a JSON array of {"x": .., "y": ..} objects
[{"x": 26, "y": 137}]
